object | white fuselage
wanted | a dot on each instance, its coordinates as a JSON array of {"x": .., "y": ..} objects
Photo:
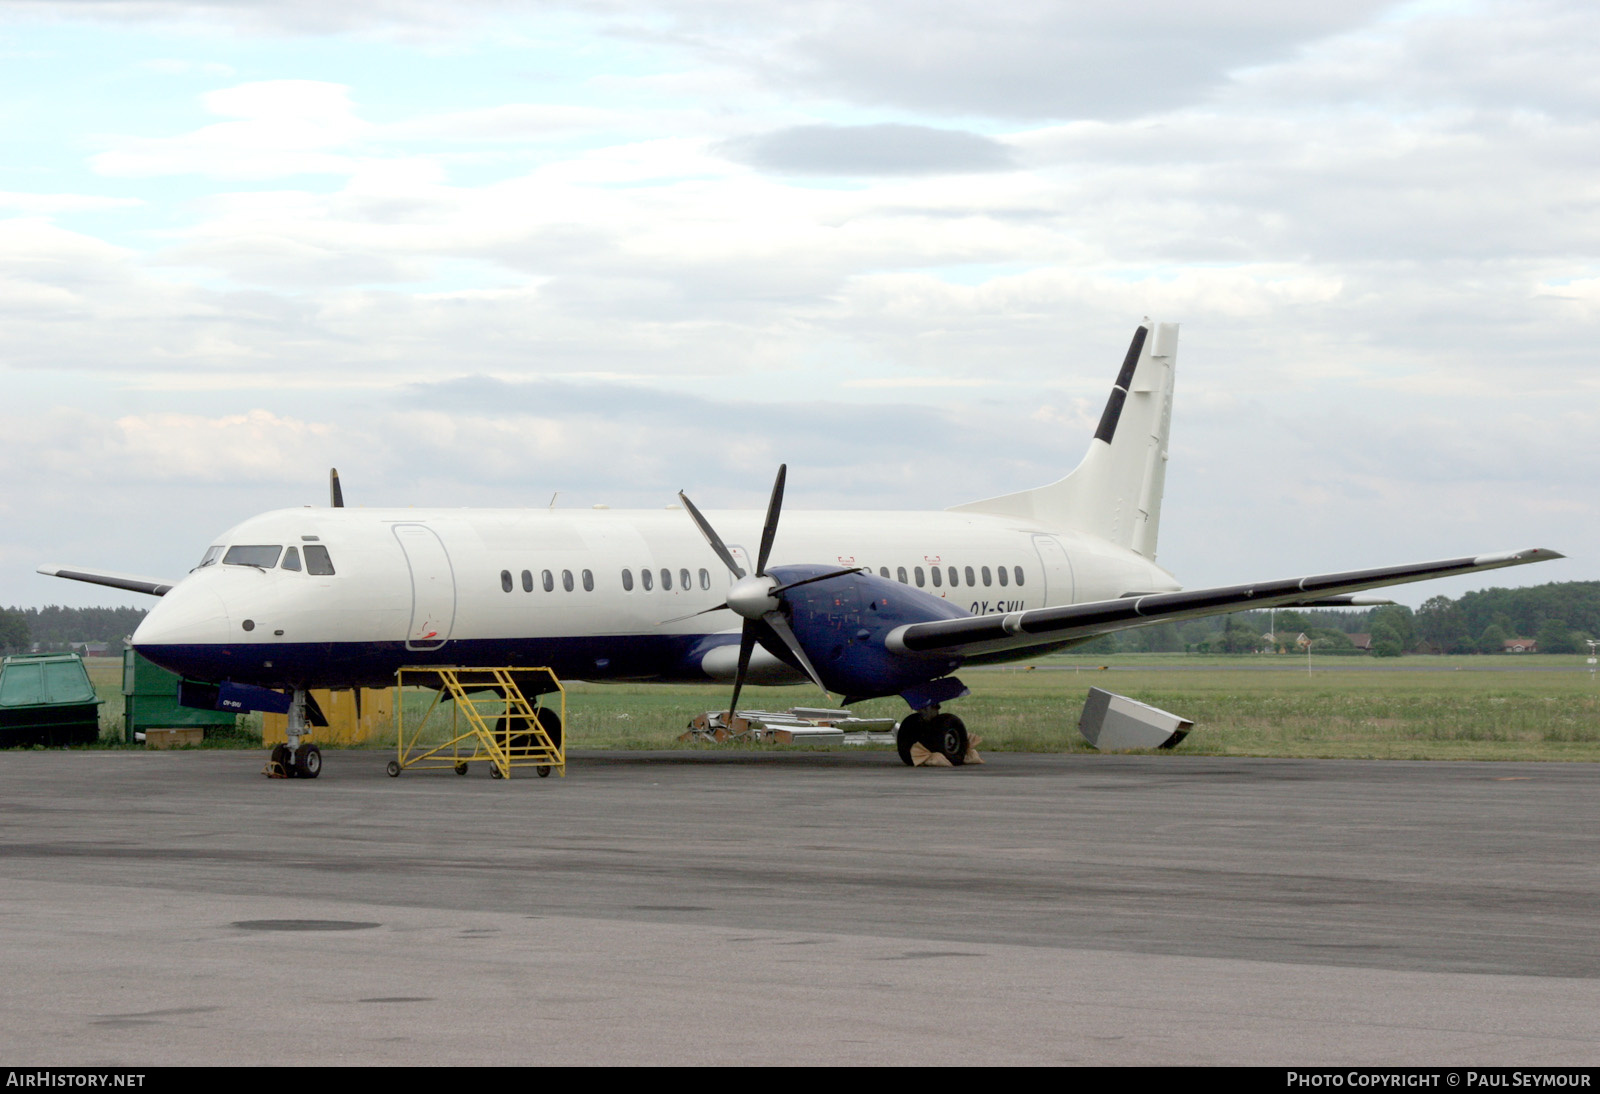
[{"x": 568, "y": 588}]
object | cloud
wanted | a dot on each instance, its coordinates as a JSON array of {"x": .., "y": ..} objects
[
  {"x": 284, "y": 127},
  {"x": 64, "y": 203},
  {"x": 1032, "y": 59},
  {"x": 868, "y": 150}
]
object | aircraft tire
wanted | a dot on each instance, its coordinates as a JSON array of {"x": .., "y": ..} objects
[
  {"x": 280, "y": 757},
  {"x": 947, "y": 734},
  {"x": 550, "y": 722},
  {"x": 910, "y": 732},
  {"x": 308, "y": 764}
]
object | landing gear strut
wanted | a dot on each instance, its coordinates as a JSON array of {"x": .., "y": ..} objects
[{"x": 942, "y": 733}]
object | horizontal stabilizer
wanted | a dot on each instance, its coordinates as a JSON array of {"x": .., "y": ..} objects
[
  {"x": 1046, "y": 626},
  {"x": 135, "y": 583}
]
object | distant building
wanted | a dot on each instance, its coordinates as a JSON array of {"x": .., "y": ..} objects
[{"x": 1521, "y": 645}]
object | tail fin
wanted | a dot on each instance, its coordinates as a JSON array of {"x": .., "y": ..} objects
[{"x": 1115, "y": 493}]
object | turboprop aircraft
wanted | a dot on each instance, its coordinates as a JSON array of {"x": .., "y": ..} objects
[{"x": 863, "y": 604}]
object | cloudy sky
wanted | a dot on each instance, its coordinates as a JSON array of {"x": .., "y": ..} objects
[{"x": 478, "y": 253}]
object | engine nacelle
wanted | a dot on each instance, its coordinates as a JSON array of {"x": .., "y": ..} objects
[{"x": 842, "y": 622}]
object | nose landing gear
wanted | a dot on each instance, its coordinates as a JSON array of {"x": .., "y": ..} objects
[{"x": 295, "y": 759}]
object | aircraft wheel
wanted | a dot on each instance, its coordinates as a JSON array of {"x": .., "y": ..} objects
[
  {"x": 909, "y": 733},
  {"x": 947, "y": 734},
  {"x": 550, "y": 722},
  {"x": 393, "y": 769},
  {"x": 308, "y": 764},
  {"x": 461, "y": 767},
  {"x": 280, "y": 757}
]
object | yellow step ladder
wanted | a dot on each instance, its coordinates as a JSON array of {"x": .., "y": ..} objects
[{"x": 490, "y": 719}]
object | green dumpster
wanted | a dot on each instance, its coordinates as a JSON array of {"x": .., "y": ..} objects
[
  {"x": 150, "y": 700},
  {"x": 47, "y": 699}
]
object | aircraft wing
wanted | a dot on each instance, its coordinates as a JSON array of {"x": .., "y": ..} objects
[
  {"x": 1046, "y": 626},
  {"x": 132, "y": 582}
]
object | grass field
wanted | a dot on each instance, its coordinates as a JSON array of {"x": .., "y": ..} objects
[{"x": 1465, "y": 708}]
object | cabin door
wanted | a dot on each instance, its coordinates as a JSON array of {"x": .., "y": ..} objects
[
  {"x": 433, "y": 586},
  {"x": 1058, "y": 582}
]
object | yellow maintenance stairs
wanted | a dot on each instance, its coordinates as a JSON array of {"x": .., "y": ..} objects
[{"x": 491, "y": 719}]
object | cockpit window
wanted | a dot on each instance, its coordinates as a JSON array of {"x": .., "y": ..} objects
[
  {"x": 265, "y": 557},
  {"x": 318, "y": 562},
  {"x": 291, "y": 559},
  {"x": 212, "y": 554}
]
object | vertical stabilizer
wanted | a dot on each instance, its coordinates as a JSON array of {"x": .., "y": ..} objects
[{"x": 1115, "y": 493}]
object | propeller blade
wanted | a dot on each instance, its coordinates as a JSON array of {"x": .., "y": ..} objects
[
  {"x": 710, "y": 533},
  {"x": 335, "y": 495},
  {"x": 769, "y": 530},
  {"x": 703, "y": 611},
  {"x": 778, "y": 623},
  {"x": 819, "y": 577},
  {"x": 747, "y": 645}
]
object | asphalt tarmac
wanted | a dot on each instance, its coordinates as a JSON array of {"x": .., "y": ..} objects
[{"x": 800, "y": 907}]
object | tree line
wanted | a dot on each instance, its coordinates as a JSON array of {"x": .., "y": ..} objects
[
  {"x": 1560, "y": 617},
  {"x": 57, "y": 628}
]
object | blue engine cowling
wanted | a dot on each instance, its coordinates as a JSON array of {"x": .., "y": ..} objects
[{"x": 842, "y": 622}]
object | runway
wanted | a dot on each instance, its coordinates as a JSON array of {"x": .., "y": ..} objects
[{"x": 800, "y": 907}]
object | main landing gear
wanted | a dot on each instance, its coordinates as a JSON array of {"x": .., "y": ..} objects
[
  {"x": 296, "y": 759},
  {"x": 944, "y": 734}
]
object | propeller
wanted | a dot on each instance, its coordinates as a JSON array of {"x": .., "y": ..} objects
[
  {"x": 757, "y": 597},
  {"x": 335, "y": 495}
]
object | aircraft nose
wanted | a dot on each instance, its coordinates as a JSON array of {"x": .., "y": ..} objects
[{"x": 183, "y": 631}]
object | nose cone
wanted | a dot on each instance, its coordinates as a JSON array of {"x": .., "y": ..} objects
[{"x": 186, "y": 631}]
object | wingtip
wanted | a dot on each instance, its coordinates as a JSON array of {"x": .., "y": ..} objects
[{"x": 1530, "y": 554}]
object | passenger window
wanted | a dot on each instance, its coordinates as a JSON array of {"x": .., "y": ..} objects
[
  {"x": 954, "y": 580},
  {"x": 1017, "y": 570},
  {"x": 666, "y": 579},
  {"x": 588, "y": 581},
  {"x": 972, "y": 580},
  {"x": 548, "y": 579},
  {"x": 527, "y": 581},
  {"x": 705, "y": 579},
  {"x": 566, "y": 580},
  {"x": 883, "y": 571},
  {"x": 318, "y": 562},
  {"x": 918, "y": 572},
  {"x": 627, "y": 581},
  {"x": 684, "y": 581},
  {"x": 505, "y": 580},
  {"x": 986, "y": 577},
  {"x": 900, "y": 574},
  {"x": 645, "y": 579},
  {"x": 1001, "y": 570},
  {"x": 291, "y": 559},
  {"x": 938, "y": 578},
  {"x": 264, "y": 557}
]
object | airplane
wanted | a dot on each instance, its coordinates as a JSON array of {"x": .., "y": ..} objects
[{"x": 862, "y": 604}]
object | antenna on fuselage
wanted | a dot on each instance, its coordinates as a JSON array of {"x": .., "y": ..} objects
[{"x": 335, "y": 495}]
